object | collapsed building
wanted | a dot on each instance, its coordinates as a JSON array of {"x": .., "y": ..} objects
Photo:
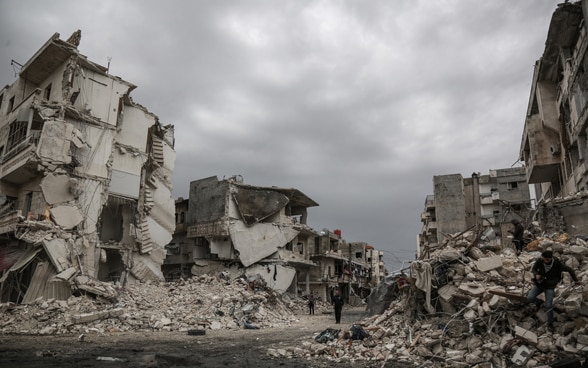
[
  {"x": 464, "y": 305},
  {"x": 238, "y": 228},
  {"x": 554, "y": 143},
  {"x": 85, "y": 180},
  {"x": 227, "y": 226}
]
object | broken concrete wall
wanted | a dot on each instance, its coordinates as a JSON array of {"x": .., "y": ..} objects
[
  {"x": 222, "y": 248},
  {"x": 449, "y": 203},
  {"x": 566, "y": 214},
  {"x": 102, "y": 93}
]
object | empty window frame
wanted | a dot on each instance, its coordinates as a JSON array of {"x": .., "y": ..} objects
[{"x": 47, "y": 92}]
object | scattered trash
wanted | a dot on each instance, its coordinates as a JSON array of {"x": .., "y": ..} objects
[
  {"x": 329, "y": 334},
  {"x": 358, "y": 333}
]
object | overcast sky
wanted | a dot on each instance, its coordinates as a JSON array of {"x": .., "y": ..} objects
[{"x": 358, "y": 104}]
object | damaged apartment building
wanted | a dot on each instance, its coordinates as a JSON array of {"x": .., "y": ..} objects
[
  {"x": 232, "y": 228},
  {"x": 486, "y": 203},
  {"x": 85, "y": 180},
  {"x": 554, "y": 143}
]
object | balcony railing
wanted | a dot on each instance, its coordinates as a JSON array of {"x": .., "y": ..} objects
[{"x": 31, "y": 140}]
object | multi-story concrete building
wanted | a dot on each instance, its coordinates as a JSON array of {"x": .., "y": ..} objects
[
  {"x": 377, "y": 268},
  {"x": 258, "y": 230},
  {"x": 459, "y": 204},
  {"x": 85, "y": 179},
  {"x": 554, "y": 144}
]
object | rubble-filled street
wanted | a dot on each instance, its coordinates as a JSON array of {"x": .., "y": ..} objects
[
  {"x": 217, "y": 348},
  {"x": 463, "y": 304},
  {"x": 203, "y": 321}
]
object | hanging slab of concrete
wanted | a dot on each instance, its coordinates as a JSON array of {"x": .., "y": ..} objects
[
  {"x": 58, "y": 253},
  {"x": 54, "y": 145},
  {"x": 261, "y": 240},
  {"x": 56, "y": 189},
  {"x": 279, "y": 277},
  {"x": 66, "y": 216},
  {"x": 256, "y": 205}
]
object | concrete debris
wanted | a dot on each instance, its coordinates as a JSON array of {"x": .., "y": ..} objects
[
  {"x": 480, "y": 317},
  {"x": 199, "y": 303}
]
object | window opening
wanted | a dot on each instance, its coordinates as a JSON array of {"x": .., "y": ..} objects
[{"x": 47, "y": 94}]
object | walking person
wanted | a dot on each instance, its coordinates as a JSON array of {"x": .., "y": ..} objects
[
  {"x": 547, "y": 273},
  {"x": 311, "y": 300},
  {"x": 337, "y": 302}
]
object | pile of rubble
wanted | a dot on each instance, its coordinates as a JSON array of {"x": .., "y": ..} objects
[
  {"x": 199, "y": 303},
  {"x": 464, "y": 305}
]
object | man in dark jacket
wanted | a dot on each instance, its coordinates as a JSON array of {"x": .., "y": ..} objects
[
  {"x": 517, "y": 234},
  {"x": 337, "y": 302},
  {"x": 546, "y": 275}
]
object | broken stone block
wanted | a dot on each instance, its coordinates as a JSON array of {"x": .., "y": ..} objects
[
  {"x": 472, "y": 289},
  {"x": 526, "y": 335},
  {"x": 489, "y": 263}
]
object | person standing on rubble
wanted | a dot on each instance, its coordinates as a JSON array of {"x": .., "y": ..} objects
[
  {"x": 337, "y": 302},
  {"x": 547, "y": 273},
  {"x": 517, "y": 234},
  {"x": 311, "y": 303}
]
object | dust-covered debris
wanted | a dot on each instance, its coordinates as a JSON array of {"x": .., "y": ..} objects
[
  {"x": 205, "y": 302},
  {"x": 465, "y": 305}
]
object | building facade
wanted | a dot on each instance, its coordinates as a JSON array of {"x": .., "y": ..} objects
[
  {"x": 554, "y": 143},
  {"x": 482, "y": 201},
  {"x": 85, "y": 179}
]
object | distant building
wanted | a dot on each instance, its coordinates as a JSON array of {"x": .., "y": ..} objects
[
  {"x": 554, "y": 144},
  {"x": 485, "y": 201},
  {"x": 85, "y": 179}
]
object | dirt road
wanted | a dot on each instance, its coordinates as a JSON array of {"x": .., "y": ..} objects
[{"x": 218, "y": 348}]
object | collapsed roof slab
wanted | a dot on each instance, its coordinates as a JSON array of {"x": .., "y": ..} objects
[
  {"x": 261, "y": 240},
  {"x": 67, "y": 217},
  {"x": 256, "y": 205},
  {"x": 56, "y": 189},
  {"x": 58, "y": 252}
]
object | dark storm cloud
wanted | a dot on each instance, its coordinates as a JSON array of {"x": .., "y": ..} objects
[{"x": 357, "y": 104}]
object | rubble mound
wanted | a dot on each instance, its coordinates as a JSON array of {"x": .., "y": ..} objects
[
  {"x": 464, "y": 305},
  {"x": 205, "y": 302}
]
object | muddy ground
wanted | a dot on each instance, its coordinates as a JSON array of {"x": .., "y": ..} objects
[{"x": 219, "y": 348}]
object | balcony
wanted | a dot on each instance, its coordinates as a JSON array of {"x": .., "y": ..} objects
[
  {"x": 541, "y": 143},
  {"x": 430, "y": 203},
  {"x": 19, "y": 164}
]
